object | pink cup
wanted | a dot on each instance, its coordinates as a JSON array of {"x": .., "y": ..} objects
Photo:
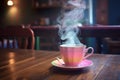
[{"x": 73, "y": 55}]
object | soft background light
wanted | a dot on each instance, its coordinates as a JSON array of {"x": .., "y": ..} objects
[{"x": 10, "y": 3}]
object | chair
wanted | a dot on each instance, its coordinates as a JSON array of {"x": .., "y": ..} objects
[
  {"x": 15, "y": 26},
  {"x": 17, "y": 37}
]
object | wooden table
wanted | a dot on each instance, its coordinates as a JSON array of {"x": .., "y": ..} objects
[{"x": 36, "y": 65}]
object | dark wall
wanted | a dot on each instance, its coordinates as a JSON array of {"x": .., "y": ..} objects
[
  {"x": 16, "y": 14},
  {"x": 114, "y": 12},
  {"x": 23, "y": 12},
  {"x": 26, "y": 14},
  {"x": 2, "y": 10}
]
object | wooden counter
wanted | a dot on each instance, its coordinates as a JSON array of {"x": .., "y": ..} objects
[{"x": 97, "y": 32}]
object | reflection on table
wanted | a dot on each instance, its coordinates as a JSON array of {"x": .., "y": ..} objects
[{"x": 23, "y": 64}]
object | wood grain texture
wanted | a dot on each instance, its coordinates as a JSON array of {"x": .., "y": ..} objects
[{"x": 21, "y": 64}]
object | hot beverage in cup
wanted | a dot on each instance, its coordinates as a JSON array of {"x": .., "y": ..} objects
[{"x": 72, "y": 55}]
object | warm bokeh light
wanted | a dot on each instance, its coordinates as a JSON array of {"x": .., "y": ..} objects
[
  {"x": 10, "y": 3},
  {"x": 13, "y": 13},
  {"x": 11, "y": 56},
  {"x": 13, "y": 10},
  {"x": 11, "y": 61}
]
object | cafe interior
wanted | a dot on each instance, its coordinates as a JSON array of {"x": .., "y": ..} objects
[
  {"x": 43, "y": 14},
  {"x": 40, "y": 26}
]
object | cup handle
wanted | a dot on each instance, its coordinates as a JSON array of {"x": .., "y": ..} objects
[{"x": 92, "y": 50}]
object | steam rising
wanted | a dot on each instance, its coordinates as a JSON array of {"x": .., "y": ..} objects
[{"x": 70, "y": 21}]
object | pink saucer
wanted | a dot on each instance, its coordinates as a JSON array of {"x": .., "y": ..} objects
[{"x": 85, "y": 63}]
